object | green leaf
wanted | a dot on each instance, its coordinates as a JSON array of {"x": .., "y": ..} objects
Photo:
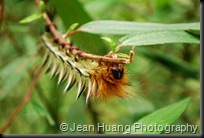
[
  {"x": 162, "y": 117},
  {"x": 125, "y": 27},
  {"x": 11, "y": 74},
  {"x": 158, "y": 37},
  {"x": 122, "y": 55},
  {"x": 42, "y": 6},
  {"x": 110, "y": 42},
  {"x": 107, "y": 39},
  {"x": 31, "y": 18},
  {"x": 72, "y": 27},
  {"x": 43, "y": 112}
]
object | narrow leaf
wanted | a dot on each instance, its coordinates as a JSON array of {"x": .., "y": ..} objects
[
  {"x": 158, "y": 37},
  {"x": 107, "y": 39},
  {"x": 43, "y": 112},
  {"x": 162, "y": 117},
  {"x": 126, "y": 27},
  {"x": 72, "y": 27},
  {"x": 110, "y": 42},
  {"x": 42, "y": 6},
  {"x": 31, "y": 18},
  {"x": 11, "y": 74},
  {"x": 122, "y": 55}
]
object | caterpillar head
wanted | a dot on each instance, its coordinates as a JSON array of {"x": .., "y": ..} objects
[
  {"x": 109, "y": 81},
  {"x": 117, "y": 71}
]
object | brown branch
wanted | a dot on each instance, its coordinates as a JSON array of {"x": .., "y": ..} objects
[
  {"x": 23, "y": 101},
  {"x": 1, "y": 11},
  {"x": 71, "y": 33},
  {"x": 60, "y": 39}
]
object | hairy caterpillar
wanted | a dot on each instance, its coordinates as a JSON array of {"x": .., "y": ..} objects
[{"x": 97, "y": 79}]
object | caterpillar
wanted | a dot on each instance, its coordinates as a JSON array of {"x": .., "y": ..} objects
[{"x": 97, "y": 79}]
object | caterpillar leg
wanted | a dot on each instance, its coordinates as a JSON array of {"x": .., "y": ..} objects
[{"x": 132, "y": 54}]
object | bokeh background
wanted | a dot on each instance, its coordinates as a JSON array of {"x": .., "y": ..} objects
[{"x": 155, "y": 82}]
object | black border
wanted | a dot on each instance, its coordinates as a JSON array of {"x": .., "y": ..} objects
[
  {"x": 142, "y": 135},
  {"x": 201, "y": 68}
]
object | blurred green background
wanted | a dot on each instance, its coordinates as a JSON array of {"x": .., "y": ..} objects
[{"x": 155, "y": 82}]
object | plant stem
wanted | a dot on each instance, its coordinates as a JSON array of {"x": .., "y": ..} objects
[
  {"x": 71, "y": 33},
  {"x": 1, "y": 12}
]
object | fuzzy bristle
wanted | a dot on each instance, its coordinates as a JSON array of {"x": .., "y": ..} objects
[{"x": 81, "y": 86}]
